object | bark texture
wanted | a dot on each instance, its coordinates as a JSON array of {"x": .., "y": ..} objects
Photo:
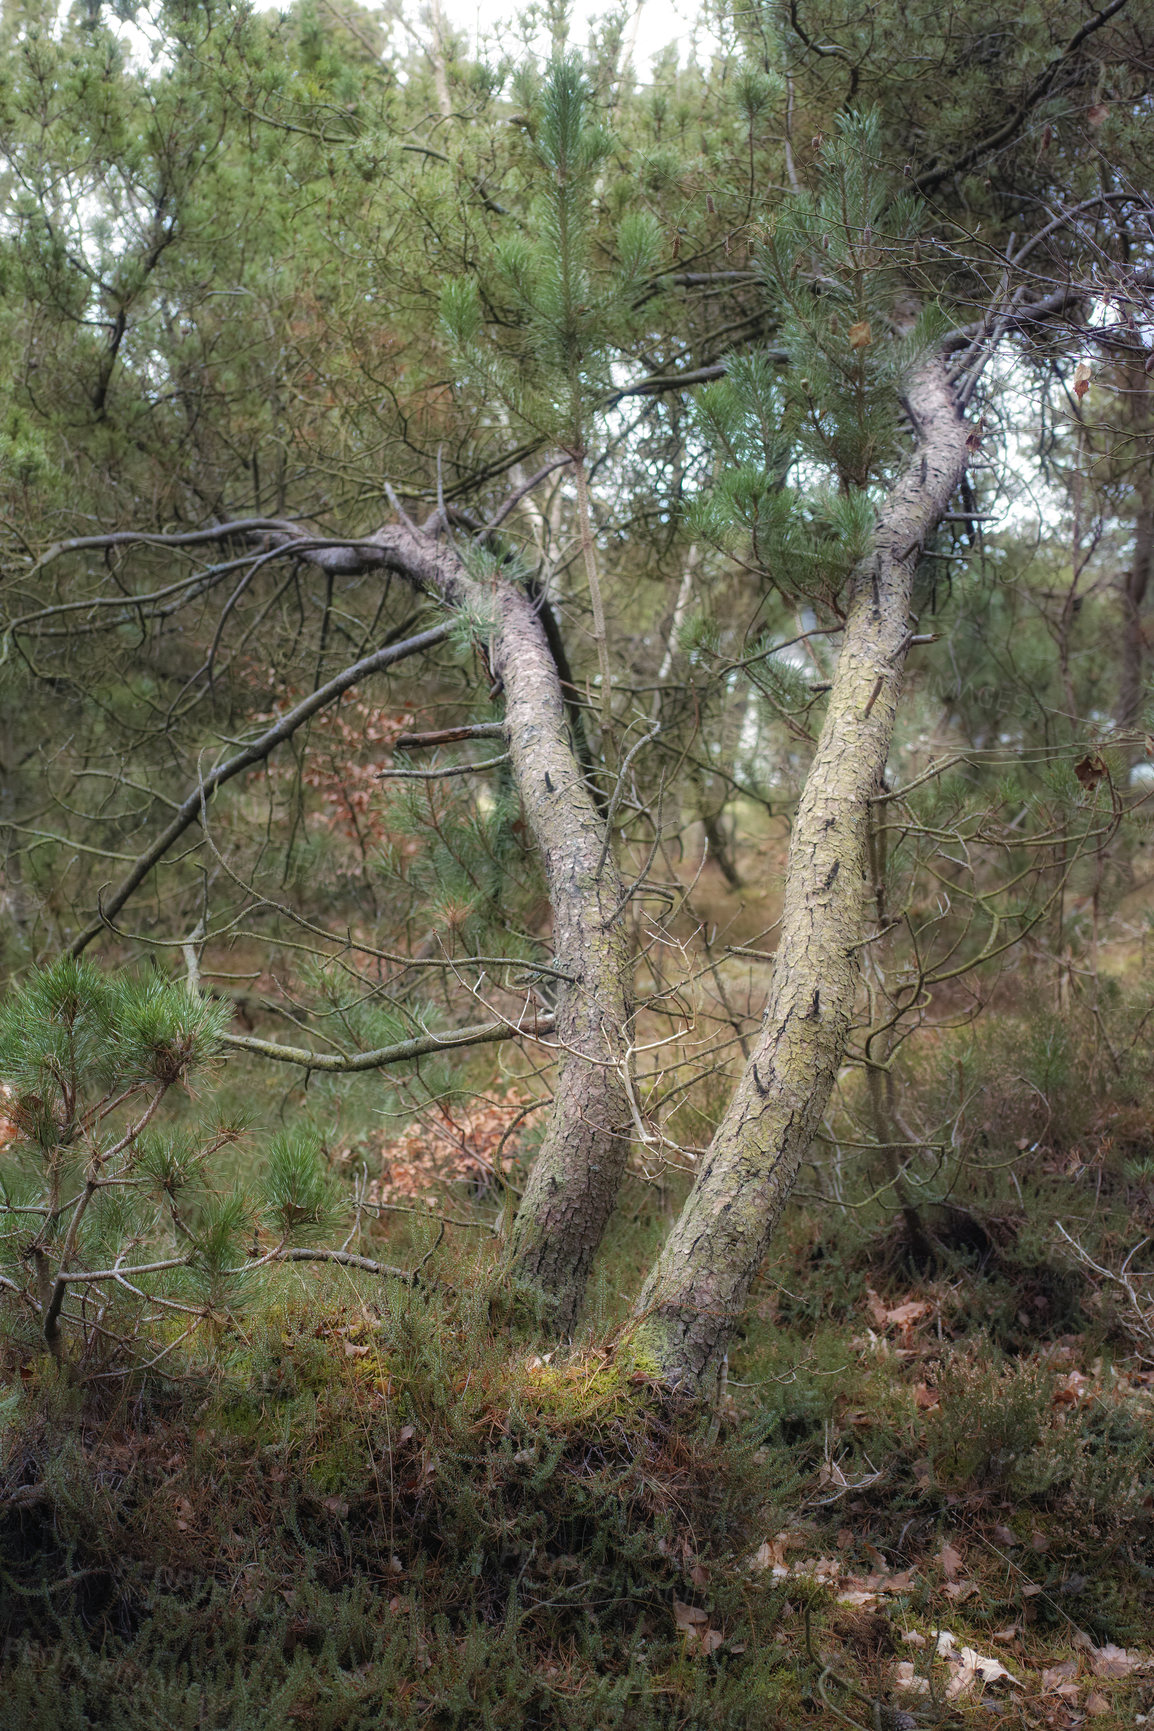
[
  {"x": 1135, "y": 586},
  {"x": 699, "y": 1284},
  {"x": 575, "y": 1178}
]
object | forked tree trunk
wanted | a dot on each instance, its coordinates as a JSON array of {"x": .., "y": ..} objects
[
  {"x": 577, "y": 1173},
  {"x": 698, "y": 1287}
]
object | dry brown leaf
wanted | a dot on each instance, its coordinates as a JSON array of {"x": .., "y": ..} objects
[
  {"x": 699, "y": 1575},
  {"x": 1111, "y": 1661},
  {"x": 1081, "y": 379},
  {"x": 1090, "y": 770},
  {"x": 1096, "y": 114},
  {"x": 860, "y": 334},
  {"x": 1005, "y": 1536},
  {"x": 949, "y": 1561},
  {"x": 337, "y": 1506},
  {"x": 960, "y": 1591},
  {"x": 925, "y": 1397},
  {"x": 1055, "y": 1675},
  {"x": 1096, "y": 1704},
  {"x": 688, "y": 1617}
]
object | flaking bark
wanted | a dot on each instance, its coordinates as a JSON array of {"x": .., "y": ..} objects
[{"x": 698, "y": 1287}]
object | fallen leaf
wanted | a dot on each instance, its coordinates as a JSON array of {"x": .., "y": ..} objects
[
  {"x": 1010, "y": 1633},
  {"x": 710, "y": 1640},
  {"x": 857, "y": 1596},
  {"x": 1005, "y": 1536},
  {"x": 969, "y": 1667},
  {"x": 925, "y": 1397},
  {"x": 699, "y": 1575},
  {"x": 906, "y": 1677},
  {"x": 1054, "y": 1675},
  {"x": 1096, "y": 1704},
  {"x": 1111, "y": 1661},
  {"x": 337, "y": 1506},
  {"x": 949, "y": 1561},
  {"x": 352, "y": 1350},
  {"x": 1096, "y": 114},
  {"x": 688, "y": 1617},
  {"x": 406, "y": 1435},
  {"x": 960, "y": 1591},
  {"x": 1039, "y": 1541},
  {"x": 914, "y": 1638},
  {"x": 860, "y": 335}
]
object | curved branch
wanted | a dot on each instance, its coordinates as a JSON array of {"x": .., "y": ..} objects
[
  {"x": 481, "y": 1033},
  {"x": 188, "y": 813}
]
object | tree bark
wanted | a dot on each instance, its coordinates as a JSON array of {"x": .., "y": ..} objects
[
  {"x": 577, "y": 1173},
  {"x": 701, "y": 1280},
  {"x": 1135, "y": 585}
]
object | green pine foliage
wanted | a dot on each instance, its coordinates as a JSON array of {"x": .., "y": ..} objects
[{"x": 800, "y": 444}]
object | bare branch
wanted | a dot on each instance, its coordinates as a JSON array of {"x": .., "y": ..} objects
[
  {"x": 480, "y": 1033},
  {"x": 190, "y": 810}
]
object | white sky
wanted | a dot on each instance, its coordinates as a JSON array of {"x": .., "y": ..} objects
[{"x": 653, "y": 25}]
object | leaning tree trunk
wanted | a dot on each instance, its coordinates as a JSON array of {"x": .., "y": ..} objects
[
  {"x": 700, "y": 1282},
  {"x": 577, "y": 1173},
  {"x": 575, "y": 1179}
]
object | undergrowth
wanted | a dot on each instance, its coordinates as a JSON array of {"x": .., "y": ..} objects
[{"x": 380, "y": 1510}]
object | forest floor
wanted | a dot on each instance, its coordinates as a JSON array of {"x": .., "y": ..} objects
[
  {"x": 922, "y": 1493},
  {"x": 914, "y": 1501}
]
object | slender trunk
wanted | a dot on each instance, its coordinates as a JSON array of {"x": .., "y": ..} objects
[
  {"x": 440, "y": 59},
  {"x": 700, "y": 1282},
  {"x": 575, "y": 1178},
  {"x": 1135, "y": 584},
  {"x": 592, "y": 577}
]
